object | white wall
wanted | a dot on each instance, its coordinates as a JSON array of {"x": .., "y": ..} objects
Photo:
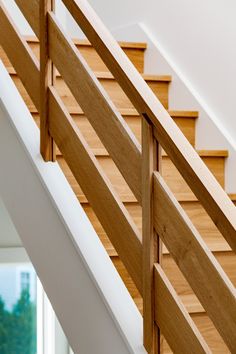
[
  {"x": 192, "y": 41},
  {"x": 198, "y": 35}
]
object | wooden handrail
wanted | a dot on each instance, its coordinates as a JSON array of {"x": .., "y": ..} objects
[
  {"x": 199, "y": 178},
  {"x": 181, "y": 334},
  {"x": 204, "y": 274},
  {"x": 112, "y": 214},
  {"x": 30, "y": 10},
  {"x": 110, "y": 126},
  {"x": 20, "y": 55}
]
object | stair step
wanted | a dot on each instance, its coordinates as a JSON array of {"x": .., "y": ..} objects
[
  {"x": 194, "y": 210},
  {"x": 158, "y": 84},
  {"x": 214, "y": 160},
  {"x": 184, "y": 120},
  {"x": 210, "y": 334},
  {"x": 135, "y": 51},
  {"x": 227, "y": 260}
]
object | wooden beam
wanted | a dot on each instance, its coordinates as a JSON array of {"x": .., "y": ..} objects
[
  {"x": 108, "y": 123},
  {"x": 30, "y": 10},
  {"x": 197, "y": 175},
  {"x": 200, "y": 268},
  {"x": 20, "y": 55},
  {"x": 151, "y": 158},
  {"x": 112, "y": 214},
  {"x": 173, "y": 319},
  {"x": 47, "y": 78}
]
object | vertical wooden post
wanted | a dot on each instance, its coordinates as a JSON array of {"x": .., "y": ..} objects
[
  {"x": 47, "y": 147},
  {"x": 151, "y": 160}
]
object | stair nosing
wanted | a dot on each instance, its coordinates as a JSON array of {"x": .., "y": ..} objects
[{"x": 86, "y": 43}]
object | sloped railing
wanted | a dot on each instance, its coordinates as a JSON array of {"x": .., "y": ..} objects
[{"x": 163, "y": 218}]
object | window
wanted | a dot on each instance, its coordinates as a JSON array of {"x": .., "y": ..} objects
[
  {"x": 18, "y": 319},
  {"x": 25, "y": 281},
  {"x": 22, "y": 294}
]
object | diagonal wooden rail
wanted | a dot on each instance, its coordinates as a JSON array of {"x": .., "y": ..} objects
[
  {"x": 100, "y": 111},
  {"x": 20, "y": 55},
  {"x": 185, "y": 158},
  {"x": 163, "y": 216},
  {"x": 106, "y": 204}
]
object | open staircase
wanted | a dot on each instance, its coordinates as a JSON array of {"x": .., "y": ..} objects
[{"x": 105, "y": 128}]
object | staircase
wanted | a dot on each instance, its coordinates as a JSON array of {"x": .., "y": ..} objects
[{"x": 116, "y": 179}]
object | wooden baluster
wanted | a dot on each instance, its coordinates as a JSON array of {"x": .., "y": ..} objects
[
  {"x": 151, "y": 161},
  {"x": 47, "y": 78}
]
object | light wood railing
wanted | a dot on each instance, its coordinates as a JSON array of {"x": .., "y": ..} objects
[{"x": 163, "y": 218}]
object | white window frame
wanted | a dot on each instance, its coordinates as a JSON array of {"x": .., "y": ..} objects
[{"x": 47, "y": 335}]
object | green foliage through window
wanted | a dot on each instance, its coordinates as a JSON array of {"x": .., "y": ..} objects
[{"x": 18, "y": 327}]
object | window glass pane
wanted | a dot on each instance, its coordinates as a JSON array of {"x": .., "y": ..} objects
[{"x": 17, "y": 309}]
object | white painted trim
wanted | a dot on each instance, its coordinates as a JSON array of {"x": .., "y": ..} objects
[{"x": 87, "y": 294}]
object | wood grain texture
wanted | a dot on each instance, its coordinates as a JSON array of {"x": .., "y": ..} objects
[
  {"x": 47, "y": 78},
  {"x": 112, "y": 214},
  {"x": 208, "y": 280},
  {"x": 226, "y": 259},
  {"x": 209, "y": 333},
  {"x": 106, "y": 120},
  {"x": 134, "y": 51},
  {"x": 132, "y": 118},
  {"x": 115, "y": 93},
  {"x": 193, "y": 209},
  {"x": 151, "y": 158},
  {"x": 204, "y": 185},
  {"x": 30, "y": 10},
  {"x": 20, "y": 55},
  {"x": 172, "y": 177},
  {"x": 174, "y": 321}
]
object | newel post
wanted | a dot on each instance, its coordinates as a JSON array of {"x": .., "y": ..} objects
[
  {"x": 47, "y": 78},
  {"x": 151, "y": 161}
]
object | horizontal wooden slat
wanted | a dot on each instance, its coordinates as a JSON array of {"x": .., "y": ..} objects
[
  {"x": 30, "y": 10},
  {"x": 20, "y": 55},
  {"x": 204, "y": 185},
  {"x": 114, "y": 217},
  {"x": 199, "y": 266},
  {"x": 105, "y": 119},
  {"x": 173, "y": 319}
]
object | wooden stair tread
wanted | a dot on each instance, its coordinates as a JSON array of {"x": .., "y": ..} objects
[
  {"x": 201, "y": 153},
  {"x": 181, "y": 197},
  {"x": 192, "y": 303},
  {"x": 232, "y": 197},
  {"x": 183, "y": 114},
  {"x": 131, "y": 112},
  {"x": 215, "y": 246},
  {"x": 208, "y": 153},
  {"x": 108, "y": 76},
  {"x": 86, "y": 43}
]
